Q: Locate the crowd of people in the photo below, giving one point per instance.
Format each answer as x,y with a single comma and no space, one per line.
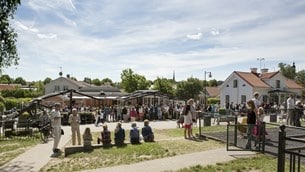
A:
186,115
256,114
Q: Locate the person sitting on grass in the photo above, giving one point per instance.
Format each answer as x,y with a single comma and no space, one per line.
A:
119,135
87,137
105,136
134,134
147,132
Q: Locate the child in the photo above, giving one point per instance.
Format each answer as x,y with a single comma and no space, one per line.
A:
134,134
147,133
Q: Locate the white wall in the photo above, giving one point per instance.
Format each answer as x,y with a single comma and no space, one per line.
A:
235,94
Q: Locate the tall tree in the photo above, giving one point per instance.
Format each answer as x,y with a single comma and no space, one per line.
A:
8,37
19,80
6,79
301,77
96,82
288,70
47,80
164,85
189,89
132,81
107,80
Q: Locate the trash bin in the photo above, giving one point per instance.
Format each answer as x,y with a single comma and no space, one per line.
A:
273,117
207,120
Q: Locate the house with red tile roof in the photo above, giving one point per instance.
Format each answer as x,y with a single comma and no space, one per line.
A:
273,87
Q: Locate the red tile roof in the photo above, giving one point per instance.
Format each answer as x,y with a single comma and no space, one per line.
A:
213,91
268,75
252,79
8,86
292,84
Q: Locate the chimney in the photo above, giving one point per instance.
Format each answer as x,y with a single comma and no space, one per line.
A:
253,70
265,70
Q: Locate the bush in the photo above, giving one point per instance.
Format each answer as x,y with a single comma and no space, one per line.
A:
13,102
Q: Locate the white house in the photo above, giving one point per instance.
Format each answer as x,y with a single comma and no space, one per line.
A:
272,86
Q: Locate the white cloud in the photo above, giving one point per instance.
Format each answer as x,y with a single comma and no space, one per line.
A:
196,36
46,36
100,39
215,32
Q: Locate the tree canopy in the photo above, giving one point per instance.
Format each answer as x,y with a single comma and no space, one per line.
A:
8,36
288,70
164,85
132,81
189,88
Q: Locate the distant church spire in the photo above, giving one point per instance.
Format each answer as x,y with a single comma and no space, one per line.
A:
174,78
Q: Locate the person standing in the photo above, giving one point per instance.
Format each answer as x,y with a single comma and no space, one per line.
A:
256,101
74,121
251,119
56,123
188,121
290,109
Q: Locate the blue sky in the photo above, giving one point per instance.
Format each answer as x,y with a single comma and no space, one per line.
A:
100,38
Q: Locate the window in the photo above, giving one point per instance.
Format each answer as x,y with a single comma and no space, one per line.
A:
66,87
227,101
235,83
278,84
56,88
243,99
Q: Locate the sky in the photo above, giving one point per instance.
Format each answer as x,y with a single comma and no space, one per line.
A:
101,38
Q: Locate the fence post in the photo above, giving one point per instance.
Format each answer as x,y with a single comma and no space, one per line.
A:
263,136
281,150
235,131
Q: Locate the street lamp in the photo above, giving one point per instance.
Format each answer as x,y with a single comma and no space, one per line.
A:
205,89
205,98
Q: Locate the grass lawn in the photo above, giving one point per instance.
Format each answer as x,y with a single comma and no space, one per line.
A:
259,163
9,149
169,142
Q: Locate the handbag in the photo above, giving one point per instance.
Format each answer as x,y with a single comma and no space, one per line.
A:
62,132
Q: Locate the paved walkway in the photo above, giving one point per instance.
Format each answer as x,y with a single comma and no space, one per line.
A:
38,156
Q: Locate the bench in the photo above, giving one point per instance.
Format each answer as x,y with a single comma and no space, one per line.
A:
81,148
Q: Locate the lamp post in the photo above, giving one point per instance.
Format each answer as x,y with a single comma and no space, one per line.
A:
205,98
205,89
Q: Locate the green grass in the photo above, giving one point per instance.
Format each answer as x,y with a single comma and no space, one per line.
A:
169,142
259,163
9,149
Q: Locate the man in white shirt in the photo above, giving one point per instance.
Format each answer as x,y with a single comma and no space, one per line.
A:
56,123
255,98
290,108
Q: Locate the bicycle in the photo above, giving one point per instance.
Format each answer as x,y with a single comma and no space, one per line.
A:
45,132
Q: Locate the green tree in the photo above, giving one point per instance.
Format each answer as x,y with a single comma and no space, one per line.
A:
189,89
87,80
107,80
287,70
6,79
164,85
213,83
301,77
47,80
96,82
19,80
8,36
132,81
